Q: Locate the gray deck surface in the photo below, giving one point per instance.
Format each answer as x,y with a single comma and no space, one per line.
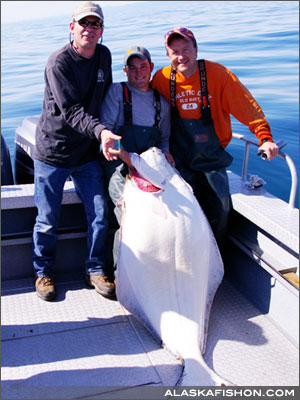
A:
82,345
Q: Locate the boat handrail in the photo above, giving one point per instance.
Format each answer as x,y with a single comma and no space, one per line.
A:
251,141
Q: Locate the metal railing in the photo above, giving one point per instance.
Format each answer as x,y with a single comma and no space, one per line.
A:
251,141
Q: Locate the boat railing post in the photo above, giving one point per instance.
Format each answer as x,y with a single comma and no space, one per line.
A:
246,160
294,178
284,156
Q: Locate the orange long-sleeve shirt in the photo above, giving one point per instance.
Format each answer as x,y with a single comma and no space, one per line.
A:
227,95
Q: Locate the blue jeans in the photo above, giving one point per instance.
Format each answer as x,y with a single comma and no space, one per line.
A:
89,184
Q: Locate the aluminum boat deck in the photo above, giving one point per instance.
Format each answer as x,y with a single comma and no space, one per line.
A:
83,345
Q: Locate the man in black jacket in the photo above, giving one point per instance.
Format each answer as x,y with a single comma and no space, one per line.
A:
67,144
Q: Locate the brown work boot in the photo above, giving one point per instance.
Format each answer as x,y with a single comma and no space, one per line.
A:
102,284
45,288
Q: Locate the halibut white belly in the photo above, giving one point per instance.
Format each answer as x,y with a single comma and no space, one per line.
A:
169,265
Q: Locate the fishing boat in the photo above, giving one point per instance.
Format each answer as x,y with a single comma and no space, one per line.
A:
85,346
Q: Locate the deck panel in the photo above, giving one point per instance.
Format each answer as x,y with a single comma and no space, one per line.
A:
85,345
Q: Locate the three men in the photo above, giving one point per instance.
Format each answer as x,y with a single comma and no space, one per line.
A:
202,94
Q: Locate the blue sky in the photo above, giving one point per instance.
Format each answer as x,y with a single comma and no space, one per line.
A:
24,10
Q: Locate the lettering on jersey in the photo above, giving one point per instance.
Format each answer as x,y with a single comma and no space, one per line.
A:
189,106
189,99
100,75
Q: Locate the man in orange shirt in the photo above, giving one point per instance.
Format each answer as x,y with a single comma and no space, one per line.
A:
203,94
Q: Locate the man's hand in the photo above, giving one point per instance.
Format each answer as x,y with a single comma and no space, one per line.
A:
169,158
107,141
123,155
270,149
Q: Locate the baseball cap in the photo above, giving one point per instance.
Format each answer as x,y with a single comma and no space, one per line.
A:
137,51
88,8
184,32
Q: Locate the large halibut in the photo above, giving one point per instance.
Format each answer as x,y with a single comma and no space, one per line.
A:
169,265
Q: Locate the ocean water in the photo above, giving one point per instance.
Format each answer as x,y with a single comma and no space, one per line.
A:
257,40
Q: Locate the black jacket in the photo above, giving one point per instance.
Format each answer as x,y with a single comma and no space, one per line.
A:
68,129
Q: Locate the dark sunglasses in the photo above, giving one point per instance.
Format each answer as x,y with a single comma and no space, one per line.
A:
94,24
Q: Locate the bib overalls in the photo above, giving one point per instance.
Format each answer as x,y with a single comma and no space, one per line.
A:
137,139
201,160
